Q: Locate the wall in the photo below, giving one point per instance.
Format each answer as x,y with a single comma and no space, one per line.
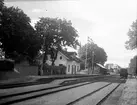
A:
73,63
69,70
65,62
8,75
96,70
25,69
21,70
61,61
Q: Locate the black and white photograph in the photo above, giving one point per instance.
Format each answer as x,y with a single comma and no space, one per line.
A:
68,52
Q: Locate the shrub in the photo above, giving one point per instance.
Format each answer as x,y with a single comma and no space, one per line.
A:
54,70
82,66
6,65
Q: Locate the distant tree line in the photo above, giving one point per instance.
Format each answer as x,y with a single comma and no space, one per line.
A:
92,51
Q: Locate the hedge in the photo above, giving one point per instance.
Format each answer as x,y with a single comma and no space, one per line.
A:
54,70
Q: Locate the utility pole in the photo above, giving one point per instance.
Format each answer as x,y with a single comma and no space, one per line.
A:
93,61
86,56
42,65
91,41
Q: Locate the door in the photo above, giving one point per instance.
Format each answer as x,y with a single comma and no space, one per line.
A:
74,69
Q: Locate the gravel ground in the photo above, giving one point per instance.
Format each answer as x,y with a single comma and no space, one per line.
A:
18,80
129,94
9,91
98,96
36,78
63,97
113,99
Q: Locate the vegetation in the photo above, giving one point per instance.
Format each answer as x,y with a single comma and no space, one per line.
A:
132,42
133,65
54,70
19,40
100,55
57,33
17,36
6,65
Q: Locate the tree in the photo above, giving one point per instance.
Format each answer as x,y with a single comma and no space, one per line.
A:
1,4
1,7
57,33
133,65
2,54
100,55
17,36
132,42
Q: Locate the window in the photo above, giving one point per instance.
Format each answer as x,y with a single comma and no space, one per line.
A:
60,57
60,64
72,69
68,68
77,68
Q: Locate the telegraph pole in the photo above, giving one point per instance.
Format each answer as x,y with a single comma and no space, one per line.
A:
93,61
42,65
91,41
86,57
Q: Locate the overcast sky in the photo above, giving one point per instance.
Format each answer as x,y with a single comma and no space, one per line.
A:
105,21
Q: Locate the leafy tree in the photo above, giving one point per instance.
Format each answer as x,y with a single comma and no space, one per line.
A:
1,7
17,36
58,33
100,55
133,65
132,42
2,54
1,4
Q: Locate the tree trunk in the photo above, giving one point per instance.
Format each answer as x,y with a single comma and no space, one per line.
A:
39,69
53,64
41,66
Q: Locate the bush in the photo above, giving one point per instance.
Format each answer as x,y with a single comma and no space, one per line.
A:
6,65
54,70
82,66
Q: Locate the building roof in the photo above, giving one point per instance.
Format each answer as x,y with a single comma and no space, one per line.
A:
100,65
71,56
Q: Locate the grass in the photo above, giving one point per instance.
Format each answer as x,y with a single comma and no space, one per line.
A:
18,80
129,95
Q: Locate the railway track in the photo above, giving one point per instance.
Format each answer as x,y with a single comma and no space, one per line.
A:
65,83
18,97
14,98
42,81
89,99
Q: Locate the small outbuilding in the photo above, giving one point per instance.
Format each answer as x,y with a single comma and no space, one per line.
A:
99,69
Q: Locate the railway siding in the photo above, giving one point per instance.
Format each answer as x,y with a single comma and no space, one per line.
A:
68,95
98,96
64,97
113,99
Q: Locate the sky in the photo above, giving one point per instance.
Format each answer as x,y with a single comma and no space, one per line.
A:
105,21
